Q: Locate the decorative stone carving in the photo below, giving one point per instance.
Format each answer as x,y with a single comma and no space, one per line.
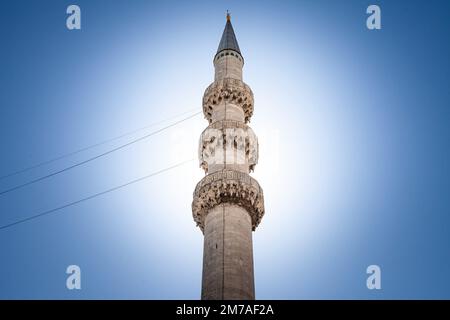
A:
231,90
228,186
230,142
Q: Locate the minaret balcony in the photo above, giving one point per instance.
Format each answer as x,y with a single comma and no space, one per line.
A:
231,91
228,186
228,144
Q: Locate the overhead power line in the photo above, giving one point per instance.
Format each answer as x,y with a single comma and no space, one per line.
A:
92,196
97,156
72,153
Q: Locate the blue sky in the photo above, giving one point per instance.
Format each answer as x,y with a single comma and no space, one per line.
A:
353,128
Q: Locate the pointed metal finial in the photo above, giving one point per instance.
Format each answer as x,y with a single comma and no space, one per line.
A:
228,16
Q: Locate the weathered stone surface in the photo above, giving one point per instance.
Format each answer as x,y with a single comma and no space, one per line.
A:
233,91
228,186
228,144
228,64
228,255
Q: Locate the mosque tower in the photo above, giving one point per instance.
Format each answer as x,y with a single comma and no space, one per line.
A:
228,203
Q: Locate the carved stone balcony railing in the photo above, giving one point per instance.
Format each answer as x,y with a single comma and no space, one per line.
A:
228,186
223,139
230,90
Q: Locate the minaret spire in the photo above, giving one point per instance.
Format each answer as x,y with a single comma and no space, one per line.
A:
228,41
228,203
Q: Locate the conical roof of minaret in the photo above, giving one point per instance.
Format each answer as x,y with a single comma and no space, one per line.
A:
228,41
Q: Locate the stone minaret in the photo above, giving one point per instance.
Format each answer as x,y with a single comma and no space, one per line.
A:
228,204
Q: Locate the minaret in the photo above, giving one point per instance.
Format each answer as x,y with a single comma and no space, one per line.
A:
228,204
